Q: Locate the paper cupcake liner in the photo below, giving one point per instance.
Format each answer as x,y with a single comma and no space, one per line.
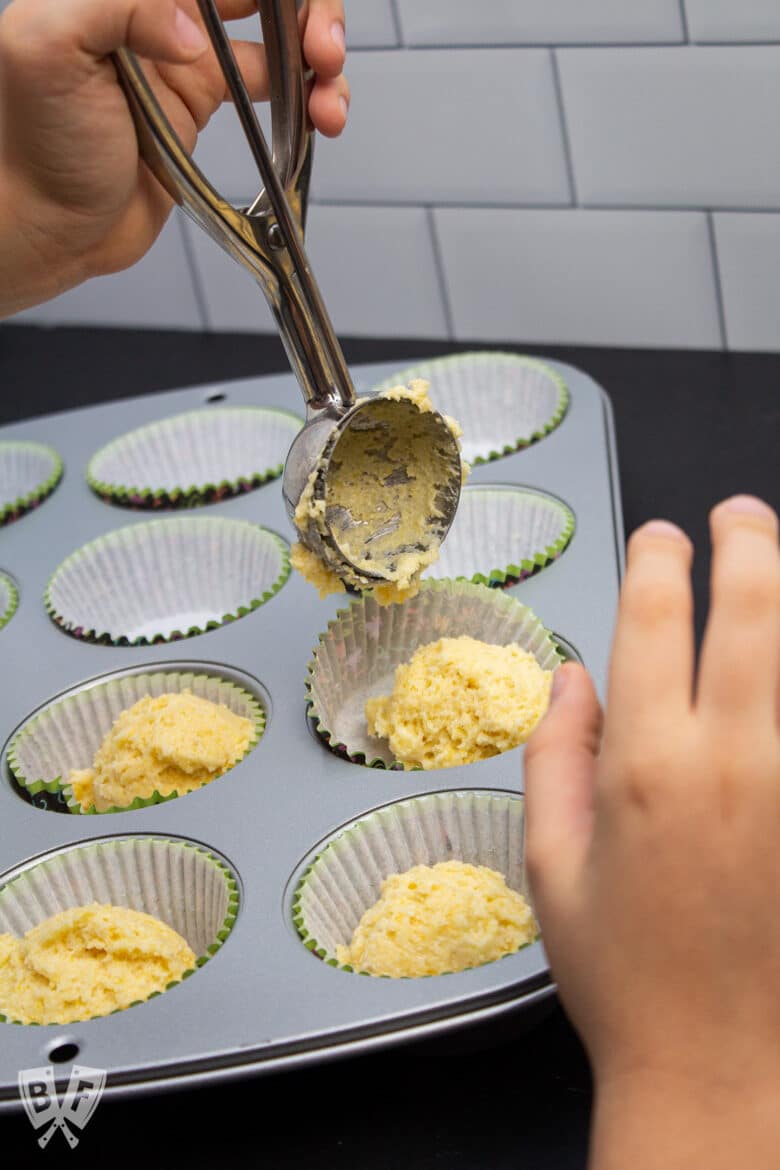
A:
502,401
9,599
357,655
345,878
29,472
66,734
178,882
502,535
195,458
163,580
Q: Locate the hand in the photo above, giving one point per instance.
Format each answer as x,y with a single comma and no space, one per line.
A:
75,200
655,862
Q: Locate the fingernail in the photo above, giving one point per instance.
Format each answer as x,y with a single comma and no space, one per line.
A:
337,34
188,34
664,528
559,680
344,105
748,505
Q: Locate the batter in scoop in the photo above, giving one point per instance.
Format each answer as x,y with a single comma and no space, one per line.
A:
383,501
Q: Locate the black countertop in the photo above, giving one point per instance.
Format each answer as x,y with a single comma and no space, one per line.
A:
692,427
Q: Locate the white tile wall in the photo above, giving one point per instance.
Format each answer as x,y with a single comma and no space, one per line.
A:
585,277
370,24
557,147
157,291
733,20
749,261
465,125
529,22
685,127
374,265
232,300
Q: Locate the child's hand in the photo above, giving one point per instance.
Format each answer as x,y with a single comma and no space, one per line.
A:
655,862
75,200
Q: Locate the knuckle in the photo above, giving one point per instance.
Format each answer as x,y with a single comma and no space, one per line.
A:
651,600
753,594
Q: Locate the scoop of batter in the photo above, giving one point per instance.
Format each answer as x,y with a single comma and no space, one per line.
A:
459,700
169,743
88,961
434,919
382,501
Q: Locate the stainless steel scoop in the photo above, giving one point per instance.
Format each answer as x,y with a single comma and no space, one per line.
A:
267,239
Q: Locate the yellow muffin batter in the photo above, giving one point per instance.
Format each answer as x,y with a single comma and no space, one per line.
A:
171,743
459,700
381,502
88,961
440,918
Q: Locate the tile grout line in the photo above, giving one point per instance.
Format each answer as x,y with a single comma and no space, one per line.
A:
684,22
198,288
716,273
397,26
438,260
564,127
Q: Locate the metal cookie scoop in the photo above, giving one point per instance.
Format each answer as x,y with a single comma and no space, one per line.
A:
267,239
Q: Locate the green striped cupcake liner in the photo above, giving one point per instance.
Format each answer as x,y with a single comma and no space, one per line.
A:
357,655
192,890
195,458
501,535
29,472
67,733
503,401
164,580
9,599
344,879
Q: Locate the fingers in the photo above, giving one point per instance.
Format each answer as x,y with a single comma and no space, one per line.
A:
738,673
651,671
324,45
560,768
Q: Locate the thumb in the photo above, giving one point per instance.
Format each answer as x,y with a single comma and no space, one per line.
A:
82,33
560,767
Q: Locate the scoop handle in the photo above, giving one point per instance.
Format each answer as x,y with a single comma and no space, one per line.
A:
266,238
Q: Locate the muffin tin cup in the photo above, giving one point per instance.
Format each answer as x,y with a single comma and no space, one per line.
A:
9,599
178,882
501,535
66,734
163,580
29,472
195,458
502,401
345,878
357,655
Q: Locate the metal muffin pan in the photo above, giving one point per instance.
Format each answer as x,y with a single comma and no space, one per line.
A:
264,1002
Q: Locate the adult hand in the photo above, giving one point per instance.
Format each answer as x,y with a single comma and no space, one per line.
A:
654,855
75,199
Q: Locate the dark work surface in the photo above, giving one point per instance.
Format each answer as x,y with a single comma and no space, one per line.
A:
692,427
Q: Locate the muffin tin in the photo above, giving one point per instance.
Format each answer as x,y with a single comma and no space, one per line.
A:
264,1001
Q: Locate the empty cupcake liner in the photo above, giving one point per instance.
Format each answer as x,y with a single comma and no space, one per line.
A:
195,458
345,878
163,580
502,401
28,473
501,535
66,734
9,599
357,655
182,884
